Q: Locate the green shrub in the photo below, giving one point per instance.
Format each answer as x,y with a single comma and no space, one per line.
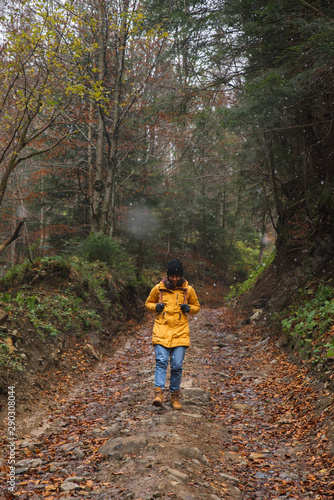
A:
102,248
99,247
240,288
310,324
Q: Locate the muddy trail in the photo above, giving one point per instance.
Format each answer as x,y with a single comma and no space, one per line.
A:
253,426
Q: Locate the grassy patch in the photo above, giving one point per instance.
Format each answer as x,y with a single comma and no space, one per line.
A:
311,325
241,288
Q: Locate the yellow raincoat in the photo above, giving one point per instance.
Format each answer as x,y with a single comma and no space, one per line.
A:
171,328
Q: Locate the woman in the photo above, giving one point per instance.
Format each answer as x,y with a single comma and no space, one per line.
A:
173,298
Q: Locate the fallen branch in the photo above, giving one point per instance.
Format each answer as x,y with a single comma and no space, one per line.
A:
14,236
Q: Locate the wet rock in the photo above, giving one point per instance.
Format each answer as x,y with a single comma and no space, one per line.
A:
261,475
192,453
90,351
235,493
193,415
235,457
256,456
68,447
79,453
69,486
176,473
229,338
229,479
75,479
29,463
129,444
113,430
31,445
247,376
195,396
21,470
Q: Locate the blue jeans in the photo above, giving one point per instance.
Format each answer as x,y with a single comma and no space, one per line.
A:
162,355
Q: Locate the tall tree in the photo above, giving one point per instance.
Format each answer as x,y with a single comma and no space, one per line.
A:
124,62
36,87
286,57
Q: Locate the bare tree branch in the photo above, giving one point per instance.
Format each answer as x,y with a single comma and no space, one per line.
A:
13,237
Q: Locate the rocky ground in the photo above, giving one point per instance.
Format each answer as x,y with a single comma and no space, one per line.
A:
253,426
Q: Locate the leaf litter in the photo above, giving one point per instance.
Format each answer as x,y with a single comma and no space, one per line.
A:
253,425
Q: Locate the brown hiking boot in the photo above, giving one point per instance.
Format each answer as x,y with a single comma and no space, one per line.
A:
174,400
158,397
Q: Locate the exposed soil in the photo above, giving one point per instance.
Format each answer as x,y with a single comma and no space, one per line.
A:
48,362
253,425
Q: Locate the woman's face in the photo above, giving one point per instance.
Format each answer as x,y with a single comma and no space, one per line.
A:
174,279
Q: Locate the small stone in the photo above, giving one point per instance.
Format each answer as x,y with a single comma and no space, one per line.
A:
32,446
177,474
190,452
256,456
90,351
21,470
97,431
229,338
193,415
79,453
129,444
75,479
29,463
69,486
230,479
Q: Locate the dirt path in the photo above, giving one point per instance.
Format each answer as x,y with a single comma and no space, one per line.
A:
252,427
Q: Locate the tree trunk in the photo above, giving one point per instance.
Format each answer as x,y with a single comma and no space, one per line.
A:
98,187
108,209
90,156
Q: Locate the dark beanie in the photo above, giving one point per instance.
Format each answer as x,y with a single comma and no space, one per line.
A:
174,268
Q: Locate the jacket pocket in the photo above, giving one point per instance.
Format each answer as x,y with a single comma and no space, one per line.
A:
161,319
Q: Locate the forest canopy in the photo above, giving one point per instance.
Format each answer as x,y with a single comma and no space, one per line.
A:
194,128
